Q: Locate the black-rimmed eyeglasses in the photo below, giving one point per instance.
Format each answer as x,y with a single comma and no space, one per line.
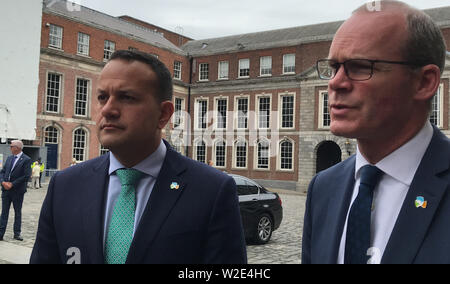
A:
355,69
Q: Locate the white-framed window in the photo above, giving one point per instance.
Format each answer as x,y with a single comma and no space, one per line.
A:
436,113
51,135
203,72
221,113
55,36
83,44
265,66
200,151
244,68
289,63
287,110
177,70
80,139
242,104
223,70
53,97
178,145
240,154
263,154
103,150
201,113
82,97
178,114
324,112
286,155
220,153
263,111
108,49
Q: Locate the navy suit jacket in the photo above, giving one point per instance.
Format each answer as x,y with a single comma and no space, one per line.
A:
198,223
19,176
419,235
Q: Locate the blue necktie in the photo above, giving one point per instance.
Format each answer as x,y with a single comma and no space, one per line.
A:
358,225
11,168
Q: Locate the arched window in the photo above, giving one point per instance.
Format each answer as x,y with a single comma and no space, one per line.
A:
240,150
177,145
220,153
200,151
286,155
51,135
262,154
79,144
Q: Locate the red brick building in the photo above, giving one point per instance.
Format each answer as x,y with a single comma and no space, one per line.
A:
251,104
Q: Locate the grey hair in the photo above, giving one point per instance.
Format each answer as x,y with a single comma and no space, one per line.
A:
425,43
17,143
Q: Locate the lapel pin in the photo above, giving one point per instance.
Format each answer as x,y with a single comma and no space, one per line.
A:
421,202
174,186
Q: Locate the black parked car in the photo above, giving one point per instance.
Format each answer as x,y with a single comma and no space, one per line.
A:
261,210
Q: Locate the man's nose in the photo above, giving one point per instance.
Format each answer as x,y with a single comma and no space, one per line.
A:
340,80
110,109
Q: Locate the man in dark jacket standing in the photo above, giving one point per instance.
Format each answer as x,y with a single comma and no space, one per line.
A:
14,177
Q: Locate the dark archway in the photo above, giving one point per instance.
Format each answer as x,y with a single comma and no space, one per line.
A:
328,154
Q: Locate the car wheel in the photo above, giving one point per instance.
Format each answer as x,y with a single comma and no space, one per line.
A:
264,229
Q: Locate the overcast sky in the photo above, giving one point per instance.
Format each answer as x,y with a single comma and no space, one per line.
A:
200,19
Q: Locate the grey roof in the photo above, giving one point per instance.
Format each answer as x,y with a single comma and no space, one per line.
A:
284,37
109,23
263,40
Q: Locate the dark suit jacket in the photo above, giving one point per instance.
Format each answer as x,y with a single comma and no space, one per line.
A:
19,176
198,223
419,235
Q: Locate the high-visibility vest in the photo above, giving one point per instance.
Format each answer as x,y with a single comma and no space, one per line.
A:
42,166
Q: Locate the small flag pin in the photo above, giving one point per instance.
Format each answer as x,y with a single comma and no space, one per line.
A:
174,186
421,202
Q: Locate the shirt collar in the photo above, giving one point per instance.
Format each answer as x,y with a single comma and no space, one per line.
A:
403,163
150,165
19,155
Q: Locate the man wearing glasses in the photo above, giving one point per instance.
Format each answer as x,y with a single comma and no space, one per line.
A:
390,202
14,177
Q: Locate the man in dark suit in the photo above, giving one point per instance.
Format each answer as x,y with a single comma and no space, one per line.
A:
390,202
14,177
143,202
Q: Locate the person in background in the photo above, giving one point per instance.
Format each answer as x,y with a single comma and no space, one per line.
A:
35,172
14,177
41,169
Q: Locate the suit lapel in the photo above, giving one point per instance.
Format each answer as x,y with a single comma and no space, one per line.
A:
18,163
413,223
161,201
338,208
96,182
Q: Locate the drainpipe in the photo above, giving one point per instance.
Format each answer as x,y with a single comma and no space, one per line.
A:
191,60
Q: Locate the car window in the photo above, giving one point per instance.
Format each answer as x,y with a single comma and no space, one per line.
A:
245,187
252,187
241,186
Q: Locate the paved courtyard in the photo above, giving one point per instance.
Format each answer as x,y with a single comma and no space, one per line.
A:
284,247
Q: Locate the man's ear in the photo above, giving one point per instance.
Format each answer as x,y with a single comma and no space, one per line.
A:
429,78
167,110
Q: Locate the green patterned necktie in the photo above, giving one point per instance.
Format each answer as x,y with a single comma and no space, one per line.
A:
121,226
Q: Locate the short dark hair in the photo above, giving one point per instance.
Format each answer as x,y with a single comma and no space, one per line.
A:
165,87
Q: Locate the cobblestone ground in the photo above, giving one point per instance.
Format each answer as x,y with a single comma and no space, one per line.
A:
283,248
285,245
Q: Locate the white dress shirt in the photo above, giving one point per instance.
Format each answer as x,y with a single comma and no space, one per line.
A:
14,164
399,169
151,167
